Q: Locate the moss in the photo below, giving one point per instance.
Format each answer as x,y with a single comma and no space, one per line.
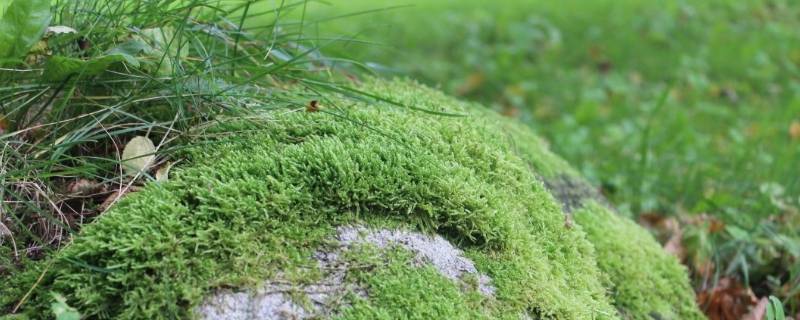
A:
257,197
644,281
400,290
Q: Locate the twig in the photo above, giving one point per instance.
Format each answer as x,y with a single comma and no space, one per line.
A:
27,294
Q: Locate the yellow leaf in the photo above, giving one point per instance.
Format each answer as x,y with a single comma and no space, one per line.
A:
138,155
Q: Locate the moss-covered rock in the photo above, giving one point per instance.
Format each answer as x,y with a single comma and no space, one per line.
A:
258,200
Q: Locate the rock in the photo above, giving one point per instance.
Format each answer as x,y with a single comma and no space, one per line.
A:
275,224
273,301
434,250
573,192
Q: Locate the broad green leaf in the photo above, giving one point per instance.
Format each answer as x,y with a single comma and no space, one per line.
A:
775,309
22,25
61,310
131,48
138,155
60,68
165,48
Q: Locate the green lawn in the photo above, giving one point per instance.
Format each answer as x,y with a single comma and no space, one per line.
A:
675,108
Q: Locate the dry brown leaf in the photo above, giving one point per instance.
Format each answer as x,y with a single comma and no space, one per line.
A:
651,219
794,130
84,187
715,225
474,81
110,200
668,229
116,196
729,300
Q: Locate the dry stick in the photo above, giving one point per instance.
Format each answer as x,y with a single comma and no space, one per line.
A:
4,230
27,294
116,148
58,234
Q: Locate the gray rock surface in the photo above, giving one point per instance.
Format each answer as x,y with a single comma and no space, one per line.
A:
274,299
433,250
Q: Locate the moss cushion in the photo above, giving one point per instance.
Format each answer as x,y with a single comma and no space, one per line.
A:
258,197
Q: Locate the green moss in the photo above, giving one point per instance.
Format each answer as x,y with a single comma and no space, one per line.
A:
257,197
644,281
399,290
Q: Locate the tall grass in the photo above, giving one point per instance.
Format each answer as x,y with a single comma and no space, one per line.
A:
153,68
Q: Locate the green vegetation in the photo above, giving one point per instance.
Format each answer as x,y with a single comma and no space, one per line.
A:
680,110
400,290
268,191
686,114
112,71
643,279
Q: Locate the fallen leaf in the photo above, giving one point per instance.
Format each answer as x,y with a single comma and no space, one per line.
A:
474,81
138,155
729,300
665,228
715,225
59,30
162,174
794,130
115,196
84,187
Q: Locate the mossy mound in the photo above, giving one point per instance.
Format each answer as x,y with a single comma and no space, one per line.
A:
258,198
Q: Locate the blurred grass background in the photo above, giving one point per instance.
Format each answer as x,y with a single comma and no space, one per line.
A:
686,114
683,112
